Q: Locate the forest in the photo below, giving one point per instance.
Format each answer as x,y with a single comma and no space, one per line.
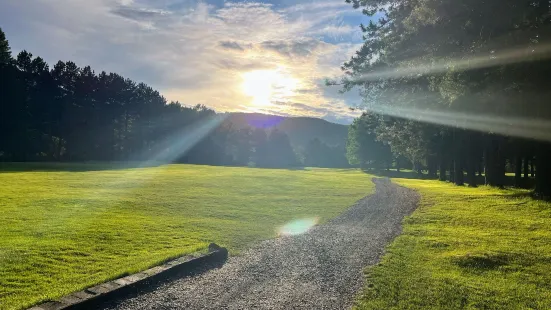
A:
458,88
73,114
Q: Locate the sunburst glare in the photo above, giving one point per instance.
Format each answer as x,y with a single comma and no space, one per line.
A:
267,86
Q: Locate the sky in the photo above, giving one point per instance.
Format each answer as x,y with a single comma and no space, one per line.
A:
268,57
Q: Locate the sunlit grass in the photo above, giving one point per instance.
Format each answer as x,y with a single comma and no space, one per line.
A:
466,248
63,231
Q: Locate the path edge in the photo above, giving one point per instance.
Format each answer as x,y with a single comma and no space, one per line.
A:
92,297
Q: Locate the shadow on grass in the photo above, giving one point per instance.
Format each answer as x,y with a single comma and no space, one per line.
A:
296,168
12,167
509,180
407,174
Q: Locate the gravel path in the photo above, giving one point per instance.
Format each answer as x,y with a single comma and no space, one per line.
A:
321,269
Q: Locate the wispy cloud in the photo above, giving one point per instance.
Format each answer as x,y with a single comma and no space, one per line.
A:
193,51
233,45
294,48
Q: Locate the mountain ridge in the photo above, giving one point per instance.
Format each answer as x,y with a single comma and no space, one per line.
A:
301,129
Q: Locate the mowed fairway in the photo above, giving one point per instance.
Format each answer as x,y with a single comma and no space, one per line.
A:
63,231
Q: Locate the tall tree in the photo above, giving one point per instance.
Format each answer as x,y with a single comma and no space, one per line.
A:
462,65
278,151
362,147
70,113
5,50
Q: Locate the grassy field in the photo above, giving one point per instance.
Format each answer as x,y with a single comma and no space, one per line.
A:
466,248
65,230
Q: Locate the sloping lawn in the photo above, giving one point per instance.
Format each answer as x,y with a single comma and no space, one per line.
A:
62,231
466,248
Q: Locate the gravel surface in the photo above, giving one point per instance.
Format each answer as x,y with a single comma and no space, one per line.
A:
321,269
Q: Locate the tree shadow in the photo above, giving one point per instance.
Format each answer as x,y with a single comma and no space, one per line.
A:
509,180
296,168
14,167
407,174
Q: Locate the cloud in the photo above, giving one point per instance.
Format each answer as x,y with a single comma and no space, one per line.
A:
342,32
317,6
294,48
337,112
233,45
137,14
193,51
240,65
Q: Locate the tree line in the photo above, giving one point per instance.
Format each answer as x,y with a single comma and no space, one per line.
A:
71,113
457,88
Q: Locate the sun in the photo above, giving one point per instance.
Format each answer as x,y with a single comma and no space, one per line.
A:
265,86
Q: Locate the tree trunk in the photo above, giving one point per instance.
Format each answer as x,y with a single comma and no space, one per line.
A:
442,167
417,167
59,146
526,167
458,158
471,169
125,143
518,171
480,167
471,159
442,158
113,143
432,167
494,162
532,170
452,170
543,177
398,164
458,171
487,176
471,173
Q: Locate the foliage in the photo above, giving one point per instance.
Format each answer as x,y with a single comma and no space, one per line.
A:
277,151
319,154
70,226
301,130
477,70
70,113
466,248
5,50
362,147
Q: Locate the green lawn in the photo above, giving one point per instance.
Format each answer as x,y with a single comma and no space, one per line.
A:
62,231
466,248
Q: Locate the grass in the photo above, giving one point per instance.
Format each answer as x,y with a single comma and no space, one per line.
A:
66,230
466,248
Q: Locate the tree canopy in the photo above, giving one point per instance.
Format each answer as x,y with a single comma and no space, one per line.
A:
72,113
466,80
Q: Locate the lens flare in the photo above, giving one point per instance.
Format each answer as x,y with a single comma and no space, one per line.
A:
521,127
518,126
297,227
170,149
484,60
181,142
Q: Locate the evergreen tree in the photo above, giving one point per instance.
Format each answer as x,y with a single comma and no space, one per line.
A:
466,66
5,50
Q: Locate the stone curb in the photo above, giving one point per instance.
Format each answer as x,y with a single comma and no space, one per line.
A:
91,297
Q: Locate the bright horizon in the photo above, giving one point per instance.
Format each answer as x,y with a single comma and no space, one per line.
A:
265,57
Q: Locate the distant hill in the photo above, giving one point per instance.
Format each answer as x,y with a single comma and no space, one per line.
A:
300,130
